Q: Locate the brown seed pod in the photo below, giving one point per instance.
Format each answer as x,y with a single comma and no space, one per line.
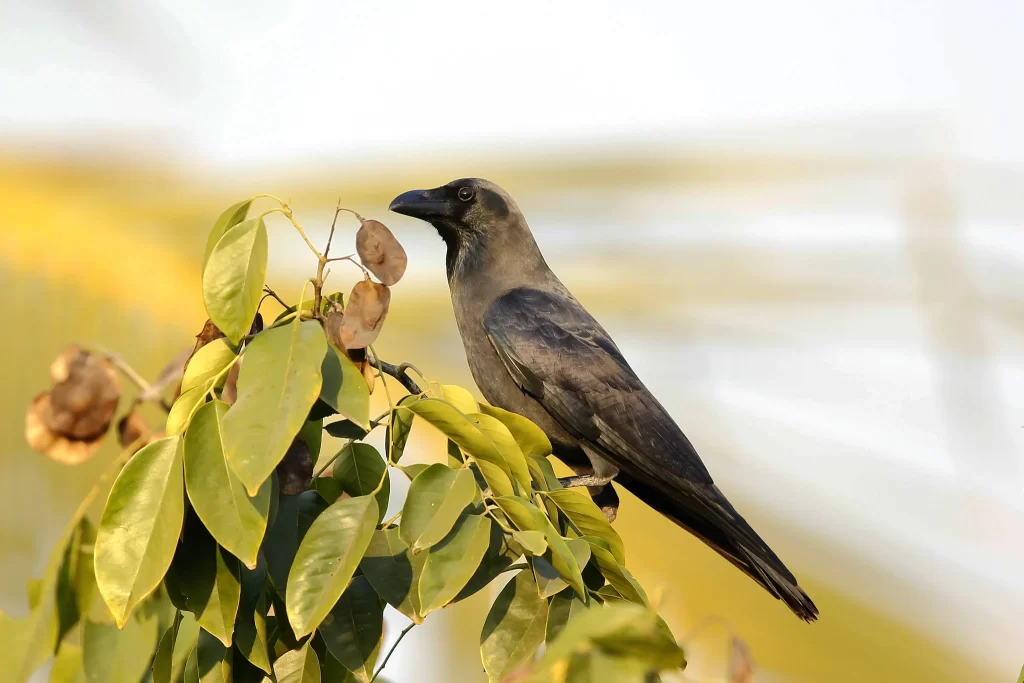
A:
56,446
380,252
295,471
133,430
85,395
367,307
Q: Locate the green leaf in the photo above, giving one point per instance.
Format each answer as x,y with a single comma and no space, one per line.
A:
460,429
496,561
333,671
163,662
394,572
76,582
326,560
437,496
344,388
619,629
182,409
531,439
68,666
277,385
528,517
549,581
329,488
396,435
345,429
298,666
208,362
532,541
139,528
233,278
451,563
588,518
499,434
514,628
617,575
294,516
235,519
563,608
353,629
594,666
413,470
209,580
210,661
112,655
251,624
232,216
359,468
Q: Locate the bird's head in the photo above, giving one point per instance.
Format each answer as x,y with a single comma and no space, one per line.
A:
463,211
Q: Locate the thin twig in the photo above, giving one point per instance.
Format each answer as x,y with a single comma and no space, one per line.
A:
330,235
514,567
392,651
128,371
270,292
351,259
334,457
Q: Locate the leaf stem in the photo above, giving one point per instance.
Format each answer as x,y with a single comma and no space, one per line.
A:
392,651
348,442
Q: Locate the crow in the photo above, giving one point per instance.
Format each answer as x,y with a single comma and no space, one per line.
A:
534,350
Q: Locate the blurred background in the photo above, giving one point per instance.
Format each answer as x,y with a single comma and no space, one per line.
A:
803,222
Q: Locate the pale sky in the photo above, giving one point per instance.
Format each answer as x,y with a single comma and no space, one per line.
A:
272,82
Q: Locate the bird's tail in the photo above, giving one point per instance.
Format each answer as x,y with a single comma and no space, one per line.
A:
735,540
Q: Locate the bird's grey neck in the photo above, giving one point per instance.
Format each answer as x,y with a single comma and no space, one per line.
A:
505,258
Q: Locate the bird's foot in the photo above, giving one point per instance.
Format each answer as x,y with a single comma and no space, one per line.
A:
583,480
606,499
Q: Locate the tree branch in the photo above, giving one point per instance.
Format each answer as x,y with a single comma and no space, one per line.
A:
392,651
399,372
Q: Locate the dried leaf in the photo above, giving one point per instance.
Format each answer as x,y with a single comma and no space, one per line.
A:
60,448
367,307
380,252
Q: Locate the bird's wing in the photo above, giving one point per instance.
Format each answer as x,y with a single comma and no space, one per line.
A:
555,350
558,354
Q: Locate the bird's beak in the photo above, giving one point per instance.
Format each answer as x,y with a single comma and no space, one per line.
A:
422,204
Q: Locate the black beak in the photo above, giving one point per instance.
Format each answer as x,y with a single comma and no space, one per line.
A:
422,204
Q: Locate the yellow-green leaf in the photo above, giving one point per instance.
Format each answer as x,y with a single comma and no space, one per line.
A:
451,563
112,655
182,409
617,575
532,541
436,498
531,439
549,581
344,388
460,398
278,384
210,661
499,434
233,278
528,517
210,582
298,666
139,528
326,560
232,216
456,426
209,361
250,624
235,519
562,609
589,519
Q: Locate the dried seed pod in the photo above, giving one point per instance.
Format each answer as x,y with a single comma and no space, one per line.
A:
367,307
229,394
56,446
380,252
295,470
83,400
133,430
741,665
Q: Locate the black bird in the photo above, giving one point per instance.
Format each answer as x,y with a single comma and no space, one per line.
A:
534,350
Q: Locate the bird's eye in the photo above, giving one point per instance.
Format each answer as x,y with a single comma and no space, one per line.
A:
465,193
